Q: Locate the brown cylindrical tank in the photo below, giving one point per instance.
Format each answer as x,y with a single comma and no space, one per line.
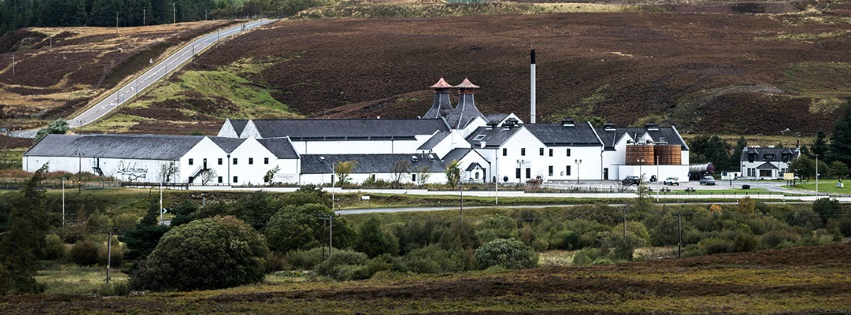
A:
640,155
669,154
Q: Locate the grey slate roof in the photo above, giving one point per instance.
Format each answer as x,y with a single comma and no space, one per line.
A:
464,113
457,154
348,129
440,107
238,125
434,140
580,134
143,147
766,166
495,117
668,134
228,144
282,148
759,154
367,163
494,137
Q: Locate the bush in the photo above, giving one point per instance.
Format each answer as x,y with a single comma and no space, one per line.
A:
374,240
588,256
827,208
84,253
508,253
54,248
744,242
276,262
714,245
776,239
306,259
344,265
433,259
117,253
211,253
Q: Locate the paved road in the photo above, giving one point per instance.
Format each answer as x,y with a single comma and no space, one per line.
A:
154,74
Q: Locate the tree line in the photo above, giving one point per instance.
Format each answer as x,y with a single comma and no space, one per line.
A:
834,152
16,14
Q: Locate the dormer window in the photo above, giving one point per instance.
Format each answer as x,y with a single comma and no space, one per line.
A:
768,157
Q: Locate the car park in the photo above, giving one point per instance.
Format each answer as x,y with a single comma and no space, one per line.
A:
671,181
707,180
631,180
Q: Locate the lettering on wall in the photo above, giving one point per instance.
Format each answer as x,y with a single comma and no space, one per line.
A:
131,170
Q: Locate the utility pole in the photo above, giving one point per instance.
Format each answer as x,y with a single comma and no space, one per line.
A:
63,201
816,176
679,234
80,174
461,194
108,254
173,13
144,17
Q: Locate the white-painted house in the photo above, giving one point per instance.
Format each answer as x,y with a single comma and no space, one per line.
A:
767,163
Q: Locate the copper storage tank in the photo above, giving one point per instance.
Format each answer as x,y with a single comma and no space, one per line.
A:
669,154
640,154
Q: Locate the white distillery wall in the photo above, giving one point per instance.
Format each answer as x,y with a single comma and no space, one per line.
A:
476,175
612,159
249,163
325,179
587,169
515,158
204,149
122,169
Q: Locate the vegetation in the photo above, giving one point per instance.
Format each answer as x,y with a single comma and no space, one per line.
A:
211,253
22,238
58,126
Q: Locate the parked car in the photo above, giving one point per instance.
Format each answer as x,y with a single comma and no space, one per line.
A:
707,180
671,181
631,180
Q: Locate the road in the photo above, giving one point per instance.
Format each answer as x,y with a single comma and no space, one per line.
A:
151,76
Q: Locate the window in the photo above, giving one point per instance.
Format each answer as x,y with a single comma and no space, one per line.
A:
235,179
567,171
413,177
234,161
190,161
250,161
220,161
568,152
528,172
551,170
517,173
522,151
551,152
541,151
504,152
768,157
220,178
265,160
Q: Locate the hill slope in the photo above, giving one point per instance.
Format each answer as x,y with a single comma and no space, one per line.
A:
705,73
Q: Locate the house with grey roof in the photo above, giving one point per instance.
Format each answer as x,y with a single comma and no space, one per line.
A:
767,163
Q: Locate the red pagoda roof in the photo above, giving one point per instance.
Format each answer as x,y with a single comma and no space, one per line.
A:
441,84
467,85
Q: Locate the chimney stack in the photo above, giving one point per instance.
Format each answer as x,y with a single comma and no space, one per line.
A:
532,114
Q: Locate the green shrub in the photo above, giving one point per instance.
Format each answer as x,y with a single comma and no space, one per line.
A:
434,259
306,259
587,256
508,253
344,265
210,253
841,224
117,253
744,242
84,253
374,240
54,248
827,208
776,239
714,245
276,262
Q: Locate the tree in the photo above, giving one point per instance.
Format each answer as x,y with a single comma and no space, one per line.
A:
207,176
453,174
142,240
803,167
741,144
167,170
343,169
746,206
58,126
820,145
270,175
212,253
838,169
423,174
374,241
301,227
24,240
399,168
827,208
840,140
507,253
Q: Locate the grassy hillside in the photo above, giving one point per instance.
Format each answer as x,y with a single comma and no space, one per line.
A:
753,74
